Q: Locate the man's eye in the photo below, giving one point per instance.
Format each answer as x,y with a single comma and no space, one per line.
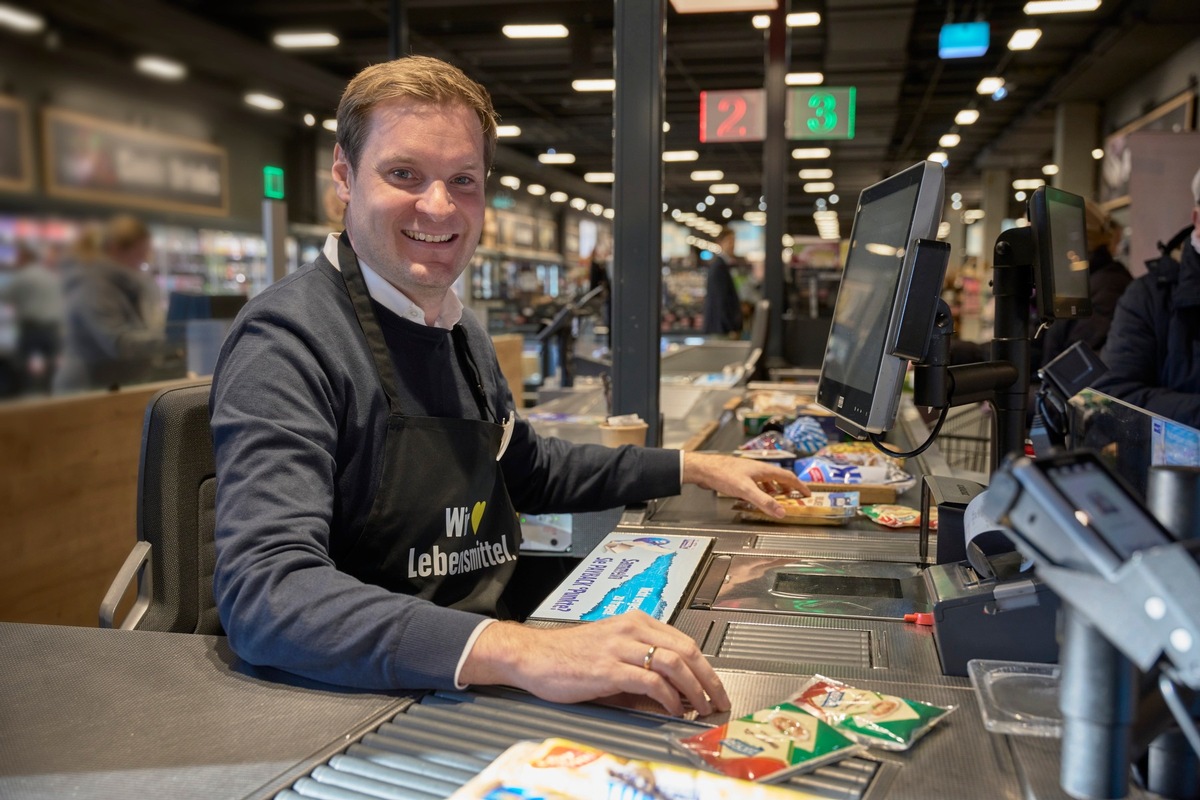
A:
402,174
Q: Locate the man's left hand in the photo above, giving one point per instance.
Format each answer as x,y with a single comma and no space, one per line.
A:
741,477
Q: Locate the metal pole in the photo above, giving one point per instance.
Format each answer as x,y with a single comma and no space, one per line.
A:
638,66
397,29
775,175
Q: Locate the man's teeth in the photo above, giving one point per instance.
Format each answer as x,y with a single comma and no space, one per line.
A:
428,237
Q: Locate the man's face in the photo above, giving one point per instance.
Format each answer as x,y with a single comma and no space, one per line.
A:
414,203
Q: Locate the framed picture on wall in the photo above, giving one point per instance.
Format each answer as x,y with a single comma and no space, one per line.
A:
1176,115
16,160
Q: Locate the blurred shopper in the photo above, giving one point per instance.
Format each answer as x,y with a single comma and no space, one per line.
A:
369,463
35,294
1107,280
114,330
1153,349
722,306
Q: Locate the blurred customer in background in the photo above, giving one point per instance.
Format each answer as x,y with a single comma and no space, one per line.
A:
1153,349
114,327
1107,279
35,294
722,306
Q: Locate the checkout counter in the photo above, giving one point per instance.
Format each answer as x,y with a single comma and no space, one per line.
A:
102,713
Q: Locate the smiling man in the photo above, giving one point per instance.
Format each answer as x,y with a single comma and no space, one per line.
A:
369,460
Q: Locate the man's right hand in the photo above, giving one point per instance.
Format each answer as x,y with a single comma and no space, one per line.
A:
598,659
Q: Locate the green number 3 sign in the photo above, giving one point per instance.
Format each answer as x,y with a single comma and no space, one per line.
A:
824,114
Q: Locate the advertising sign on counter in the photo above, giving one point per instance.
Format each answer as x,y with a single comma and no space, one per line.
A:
627,572
95,160
16,172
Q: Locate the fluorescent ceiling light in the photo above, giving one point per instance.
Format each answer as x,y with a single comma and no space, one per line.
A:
816,174
594,84
708,175
558,197
1098,153
160,67
973,215
556,158
968,116
804,19
20,20
599,177
804,79
680,155
329,125
755,217
1028,183
801,153
578,203
511,181
609,213
508,130
990,85
536,189
949,140
666,126
264,101
298,39
595,208
719,6
310,120
1050,169
724,188
1024,39
939,157
552,31
1060,6
819,187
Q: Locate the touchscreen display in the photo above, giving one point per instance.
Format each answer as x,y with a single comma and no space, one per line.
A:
868,290
1106,508
1068,242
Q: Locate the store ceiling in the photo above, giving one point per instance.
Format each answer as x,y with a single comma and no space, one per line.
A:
907,96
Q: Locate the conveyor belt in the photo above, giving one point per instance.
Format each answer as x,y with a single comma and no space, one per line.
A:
439,743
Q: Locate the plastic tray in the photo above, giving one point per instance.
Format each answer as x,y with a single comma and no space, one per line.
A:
1017,697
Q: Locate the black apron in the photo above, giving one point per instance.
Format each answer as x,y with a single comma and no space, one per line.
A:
442,526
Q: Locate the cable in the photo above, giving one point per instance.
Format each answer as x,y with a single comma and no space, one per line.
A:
875,440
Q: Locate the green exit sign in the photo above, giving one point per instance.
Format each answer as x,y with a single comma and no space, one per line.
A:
273,183
821,112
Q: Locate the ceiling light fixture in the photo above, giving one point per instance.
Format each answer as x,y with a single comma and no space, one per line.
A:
1028,183
804,79
264,101
968,116
508,131
1050,169
310,120
939,157
724,188
511,181
20,20
159,67
556,158
680,155
550,31
599,177
949,140
816,174
558,197
536,189
594,84
819,187
292,40
708,175
803,19
1098,153
1060,6
802,153
1024,38
330,125
990,85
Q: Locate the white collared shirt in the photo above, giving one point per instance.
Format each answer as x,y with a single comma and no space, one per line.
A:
392,298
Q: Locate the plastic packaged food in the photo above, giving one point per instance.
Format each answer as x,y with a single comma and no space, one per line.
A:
870,718
806,435
768,745
771,440
861,453
894,516
822,508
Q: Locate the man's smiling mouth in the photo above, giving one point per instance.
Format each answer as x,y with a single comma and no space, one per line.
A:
429,237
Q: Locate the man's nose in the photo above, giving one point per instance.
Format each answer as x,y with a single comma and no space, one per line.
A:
436,201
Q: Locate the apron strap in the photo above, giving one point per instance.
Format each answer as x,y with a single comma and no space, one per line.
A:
471,372
360,297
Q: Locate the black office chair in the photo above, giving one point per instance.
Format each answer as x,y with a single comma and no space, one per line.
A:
175,554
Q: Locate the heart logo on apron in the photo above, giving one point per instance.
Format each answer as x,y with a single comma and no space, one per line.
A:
476,515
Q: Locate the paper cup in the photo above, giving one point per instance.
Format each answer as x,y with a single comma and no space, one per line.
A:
617,435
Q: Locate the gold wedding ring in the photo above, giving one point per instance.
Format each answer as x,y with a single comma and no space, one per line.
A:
648,661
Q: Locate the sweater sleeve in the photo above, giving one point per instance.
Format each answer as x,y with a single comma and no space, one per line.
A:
1133,356
277,404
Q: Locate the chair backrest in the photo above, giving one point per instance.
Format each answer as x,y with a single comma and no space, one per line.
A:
176,501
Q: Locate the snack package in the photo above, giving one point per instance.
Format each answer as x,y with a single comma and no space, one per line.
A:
870,718
822,508
771,440
894,516
826,470
559,769
768,745
863,454
806,435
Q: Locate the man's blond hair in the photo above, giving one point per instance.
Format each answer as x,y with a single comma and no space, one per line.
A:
415,77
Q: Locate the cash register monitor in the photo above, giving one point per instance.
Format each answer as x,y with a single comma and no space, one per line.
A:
861,377
1060,247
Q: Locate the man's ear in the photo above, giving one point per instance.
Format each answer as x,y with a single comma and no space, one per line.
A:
343,174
